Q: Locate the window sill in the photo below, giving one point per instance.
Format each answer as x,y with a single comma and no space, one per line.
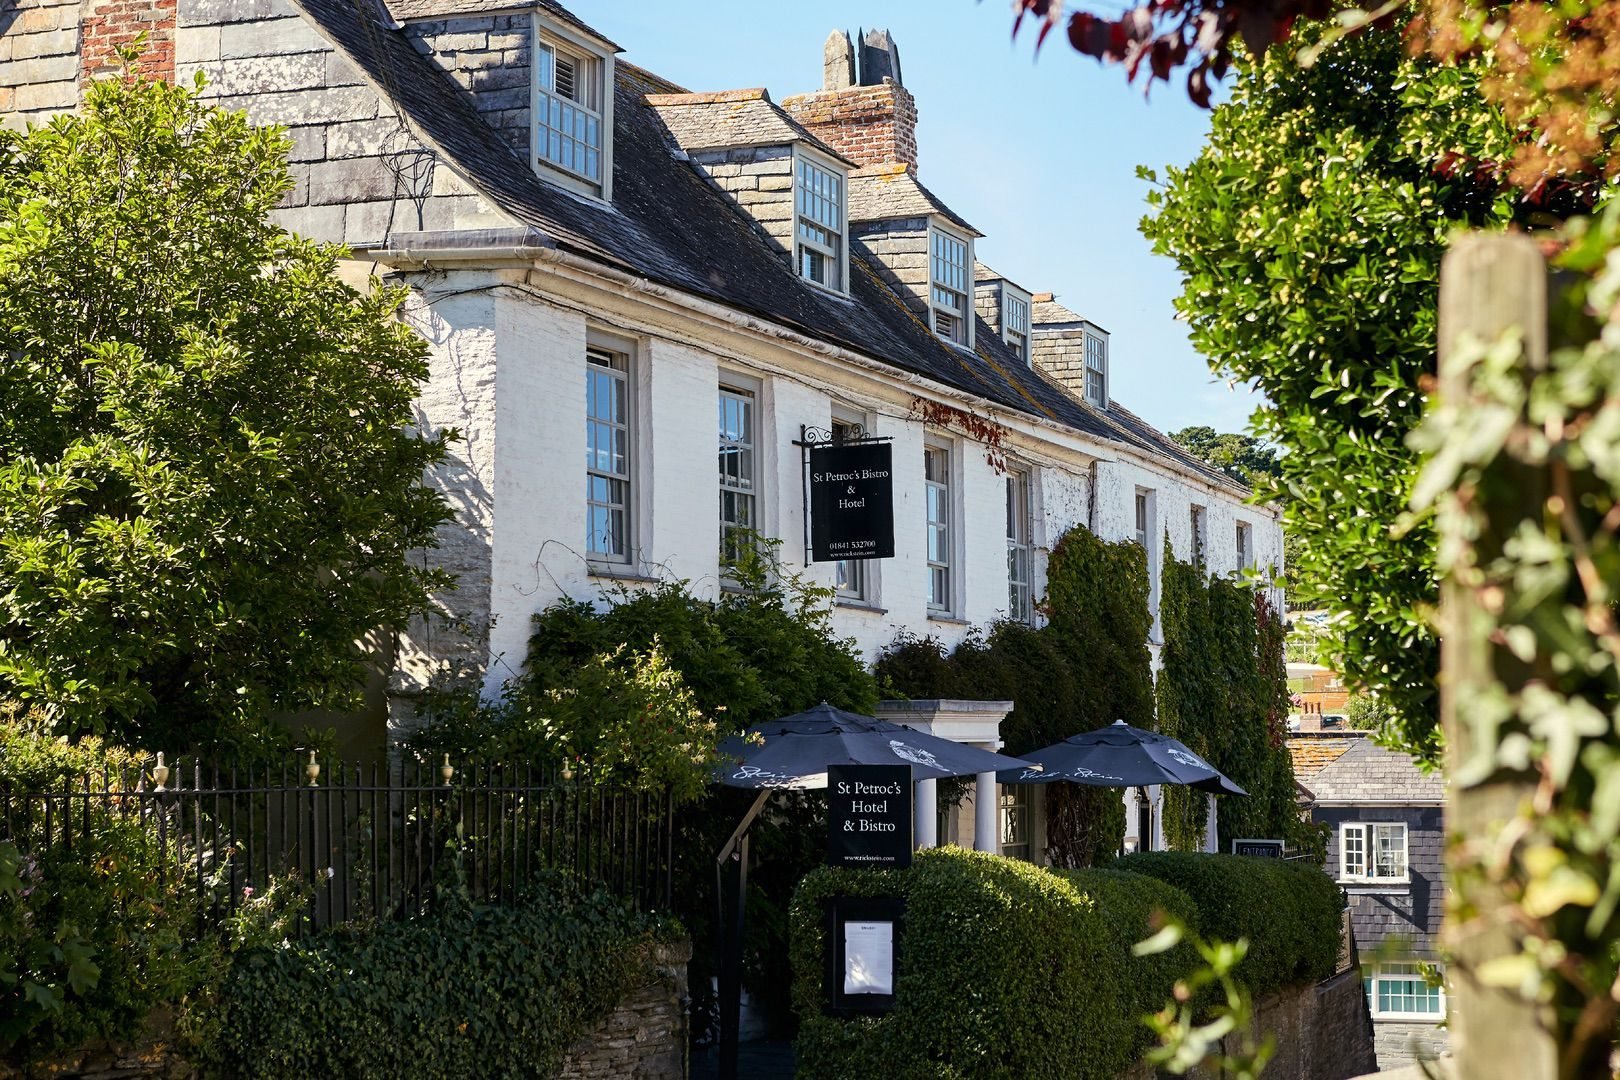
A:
828,290
1369,888
947,618
621,573
1403,1018
859,605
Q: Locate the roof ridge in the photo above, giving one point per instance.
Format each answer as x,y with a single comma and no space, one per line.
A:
707,97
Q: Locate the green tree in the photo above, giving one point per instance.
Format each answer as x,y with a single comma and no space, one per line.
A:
1242,457
207,480
1309,234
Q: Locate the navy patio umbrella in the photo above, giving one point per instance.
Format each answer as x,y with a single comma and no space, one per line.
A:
794,752
1121,756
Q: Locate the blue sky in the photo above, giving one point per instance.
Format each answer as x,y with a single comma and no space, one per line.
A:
1039,155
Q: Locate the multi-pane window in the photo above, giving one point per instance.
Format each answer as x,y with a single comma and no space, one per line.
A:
1015,323
738,471
568,121
1096,370
1020,606
937,478
1142,523
1400,990
1200,537
607,455
948,286
1372,852
1144,535
819,203
1013,810
849,575
1245,546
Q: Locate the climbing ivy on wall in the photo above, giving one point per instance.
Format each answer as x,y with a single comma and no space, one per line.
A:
1087,667
1223,691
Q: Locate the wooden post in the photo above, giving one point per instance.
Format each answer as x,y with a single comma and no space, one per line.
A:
1488,284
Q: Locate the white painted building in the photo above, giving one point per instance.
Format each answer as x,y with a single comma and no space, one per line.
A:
618,279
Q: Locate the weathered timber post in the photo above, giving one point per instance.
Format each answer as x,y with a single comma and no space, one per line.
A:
1489,284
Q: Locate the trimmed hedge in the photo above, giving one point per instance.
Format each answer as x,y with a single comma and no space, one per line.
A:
483,991
1289,911
1130,903
1007,971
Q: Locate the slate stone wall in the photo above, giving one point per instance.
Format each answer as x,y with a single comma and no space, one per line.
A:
488,56
39,60
645,1036
1405,914
760,179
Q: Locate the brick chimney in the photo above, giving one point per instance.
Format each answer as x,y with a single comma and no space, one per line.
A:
862,109
107,25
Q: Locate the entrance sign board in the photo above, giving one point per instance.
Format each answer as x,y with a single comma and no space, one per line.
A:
1261,849
869,810
862,953
851,501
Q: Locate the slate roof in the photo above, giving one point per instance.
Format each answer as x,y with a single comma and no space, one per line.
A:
670,225
1368,773
1312,751
731,118
888,191
405,10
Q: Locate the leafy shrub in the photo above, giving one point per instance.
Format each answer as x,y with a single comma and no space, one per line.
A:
1006,971
90,940
481,991
1288,911
1134,906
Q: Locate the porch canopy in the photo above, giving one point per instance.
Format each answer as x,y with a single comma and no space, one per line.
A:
1121,756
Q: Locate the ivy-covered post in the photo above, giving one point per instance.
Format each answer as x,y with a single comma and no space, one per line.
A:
1489,285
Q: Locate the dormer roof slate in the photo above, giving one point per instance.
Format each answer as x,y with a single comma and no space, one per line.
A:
731,118
889,191
406,10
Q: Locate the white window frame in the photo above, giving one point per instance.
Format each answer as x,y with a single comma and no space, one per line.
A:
1015,799
951,564
967,313
1010,334
1096,369
1243,539
1402,972
1020,545
840,254
549,35
1364,870
753,389
860,574
1145,510
607,561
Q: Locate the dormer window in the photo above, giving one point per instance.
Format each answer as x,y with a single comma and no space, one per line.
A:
949,259
1097,371
821,231
1015,320
573,111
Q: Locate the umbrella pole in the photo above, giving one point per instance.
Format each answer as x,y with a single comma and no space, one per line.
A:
731,937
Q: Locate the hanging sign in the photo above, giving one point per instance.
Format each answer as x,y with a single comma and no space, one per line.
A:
869,816
1260,849
851,501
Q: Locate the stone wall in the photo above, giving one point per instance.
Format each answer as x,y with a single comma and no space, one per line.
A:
1403,1042
488,56
39,60
869,125
760,179
1322,1032
645,1036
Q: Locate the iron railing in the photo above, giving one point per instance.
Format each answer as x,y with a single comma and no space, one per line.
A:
379,841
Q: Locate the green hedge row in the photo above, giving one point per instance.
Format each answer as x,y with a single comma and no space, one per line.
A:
483,991
1008,970
1289,911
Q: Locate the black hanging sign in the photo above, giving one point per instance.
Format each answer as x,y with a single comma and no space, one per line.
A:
851,501
869,816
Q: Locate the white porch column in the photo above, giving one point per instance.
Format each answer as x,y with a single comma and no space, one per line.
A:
925,808
1212,838
984,813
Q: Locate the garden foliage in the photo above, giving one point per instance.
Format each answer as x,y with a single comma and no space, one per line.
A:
1087,667
468,991
1223,691
1008,970
208,478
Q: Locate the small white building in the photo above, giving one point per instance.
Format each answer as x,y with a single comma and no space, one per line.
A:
620,279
